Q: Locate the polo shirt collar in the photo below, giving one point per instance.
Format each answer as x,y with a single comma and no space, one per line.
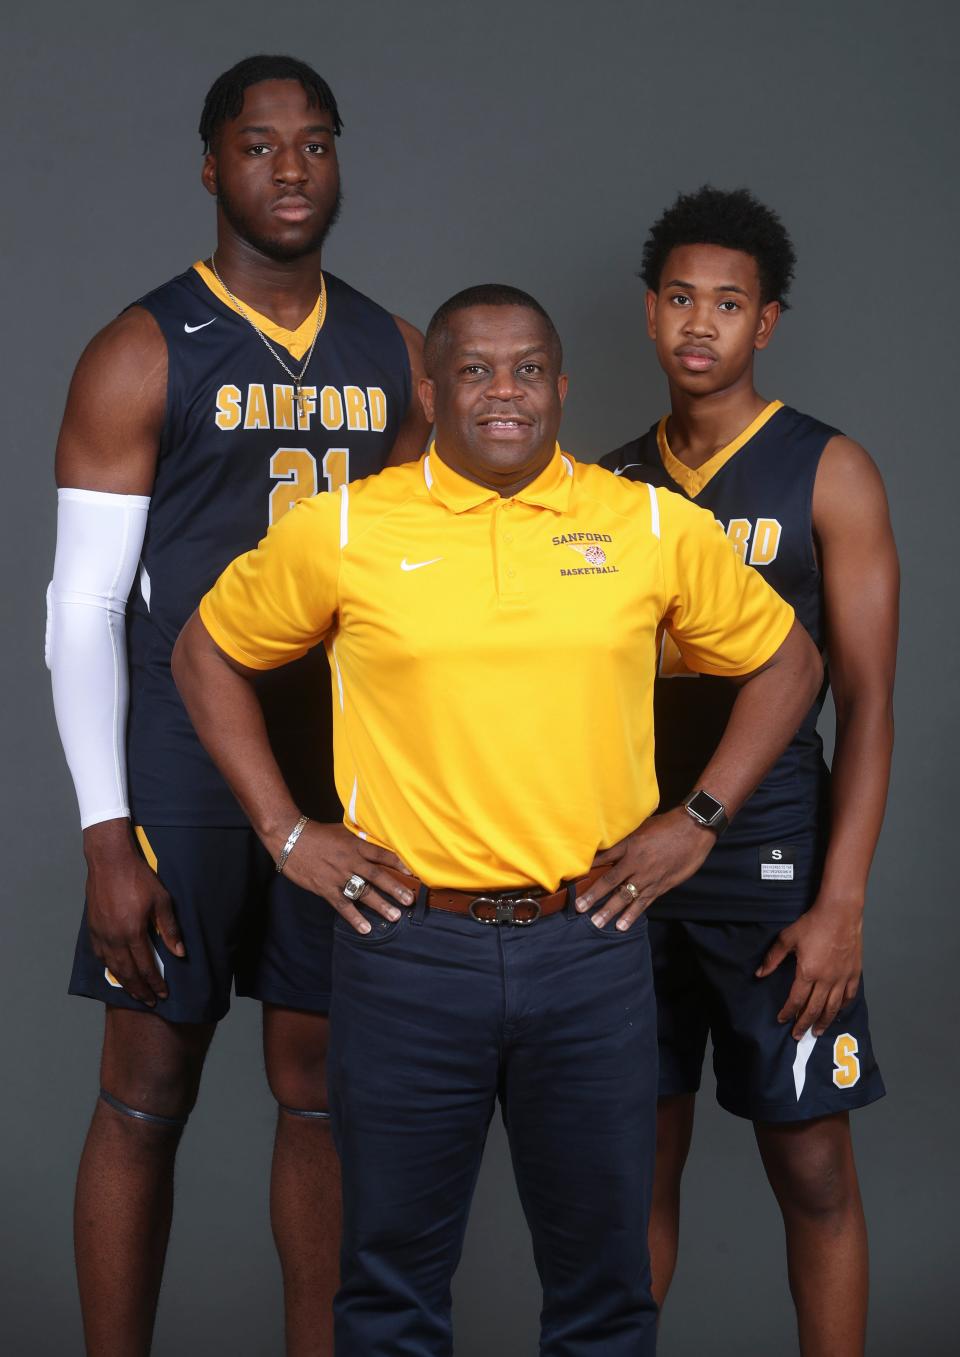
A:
550,490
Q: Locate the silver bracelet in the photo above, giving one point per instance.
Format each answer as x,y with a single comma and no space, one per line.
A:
290,844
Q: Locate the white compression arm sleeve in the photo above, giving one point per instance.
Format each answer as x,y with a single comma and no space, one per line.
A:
99,539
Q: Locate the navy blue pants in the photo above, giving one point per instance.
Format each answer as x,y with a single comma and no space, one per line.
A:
433,1019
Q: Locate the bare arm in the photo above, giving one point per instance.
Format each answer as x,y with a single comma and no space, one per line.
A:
111,428
225,711
108,442
667,849
861,588
415,429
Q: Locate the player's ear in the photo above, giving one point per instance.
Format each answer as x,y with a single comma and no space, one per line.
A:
428,391
651,302
562,385
208,174
769,315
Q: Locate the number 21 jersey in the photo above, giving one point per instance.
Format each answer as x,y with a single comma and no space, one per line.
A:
237,450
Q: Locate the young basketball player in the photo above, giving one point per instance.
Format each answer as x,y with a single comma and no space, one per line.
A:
761,949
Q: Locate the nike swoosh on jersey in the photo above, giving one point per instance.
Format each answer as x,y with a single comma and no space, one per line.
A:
190,328
418,565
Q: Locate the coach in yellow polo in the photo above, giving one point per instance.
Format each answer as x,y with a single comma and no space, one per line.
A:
492,616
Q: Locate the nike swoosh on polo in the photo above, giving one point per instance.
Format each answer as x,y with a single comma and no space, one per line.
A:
418,565
190,328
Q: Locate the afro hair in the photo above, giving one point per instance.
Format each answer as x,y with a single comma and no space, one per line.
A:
733,218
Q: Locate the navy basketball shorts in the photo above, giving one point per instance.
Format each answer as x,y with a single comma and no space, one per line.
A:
243,926
705,985
435,1019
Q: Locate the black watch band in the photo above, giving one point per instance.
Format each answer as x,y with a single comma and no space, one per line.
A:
707,811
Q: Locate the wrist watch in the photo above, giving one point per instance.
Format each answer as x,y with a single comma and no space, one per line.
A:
707,811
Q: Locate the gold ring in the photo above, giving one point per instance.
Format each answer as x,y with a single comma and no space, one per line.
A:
630,890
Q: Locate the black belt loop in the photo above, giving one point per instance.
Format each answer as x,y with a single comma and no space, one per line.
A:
570,908
419,911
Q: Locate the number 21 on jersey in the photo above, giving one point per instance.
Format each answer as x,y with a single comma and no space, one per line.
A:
295,471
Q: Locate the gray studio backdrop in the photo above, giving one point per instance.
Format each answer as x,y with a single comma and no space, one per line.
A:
530,144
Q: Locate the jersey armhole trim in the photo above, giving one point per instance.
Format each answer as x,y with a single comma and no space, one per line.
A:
173,372
411,395
815,564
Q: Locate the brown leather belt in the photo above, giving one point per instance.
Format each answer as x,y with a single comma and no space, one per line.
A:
516,906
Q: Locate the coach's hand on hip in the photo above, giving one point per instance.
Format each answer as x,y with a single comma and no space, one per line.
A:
328,857
664,851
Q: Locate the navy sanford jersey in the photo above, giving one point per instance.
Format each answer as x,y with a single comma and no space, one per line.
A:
235,454
760,487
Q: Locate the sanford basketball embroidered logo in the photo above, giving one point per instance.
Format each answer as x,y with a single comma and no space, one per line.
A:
587,545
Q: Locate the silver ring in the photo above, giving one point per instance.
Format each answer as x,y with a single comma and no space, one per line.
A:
354,887
630,890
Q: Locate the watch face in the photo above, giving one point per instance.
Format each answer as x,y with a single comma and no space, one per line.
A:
705,806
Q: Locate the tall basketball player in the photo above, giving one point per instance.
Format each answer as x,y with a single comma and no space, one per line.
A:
762,947
195,420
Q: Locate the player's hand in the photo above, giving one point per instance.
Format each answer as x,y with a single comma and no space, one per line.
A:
827,942
326,856
664,851
124,899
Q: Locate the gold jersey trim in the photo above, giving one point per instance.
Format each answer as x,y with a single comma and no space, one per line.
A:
693,479
146,847
296,342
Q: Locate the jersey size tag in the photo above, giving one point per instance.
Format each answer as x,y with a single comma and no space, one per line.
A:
776,862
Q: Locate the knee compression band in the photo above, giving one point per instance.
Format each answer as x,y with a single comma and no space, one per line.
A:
177,1122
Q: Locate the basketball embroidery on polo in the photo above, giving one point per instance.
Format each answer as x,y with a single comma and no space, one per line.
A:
593,553
592,547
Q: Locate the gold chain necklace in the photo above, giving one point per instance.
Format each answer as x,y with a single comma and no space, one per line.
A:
298,395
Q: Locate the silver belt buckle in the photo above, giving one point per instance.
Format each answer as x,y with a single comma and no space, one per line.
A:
504,909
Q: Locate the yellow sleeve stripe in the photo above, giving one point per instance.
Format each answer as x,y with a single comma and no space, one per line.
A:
771,644
230,647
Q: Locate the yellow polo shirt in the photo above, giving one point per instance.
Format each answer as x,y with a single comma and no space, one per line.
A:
493,659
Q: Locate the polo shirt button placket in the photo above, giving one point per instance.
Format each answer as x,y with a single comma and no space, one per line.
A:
510,570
